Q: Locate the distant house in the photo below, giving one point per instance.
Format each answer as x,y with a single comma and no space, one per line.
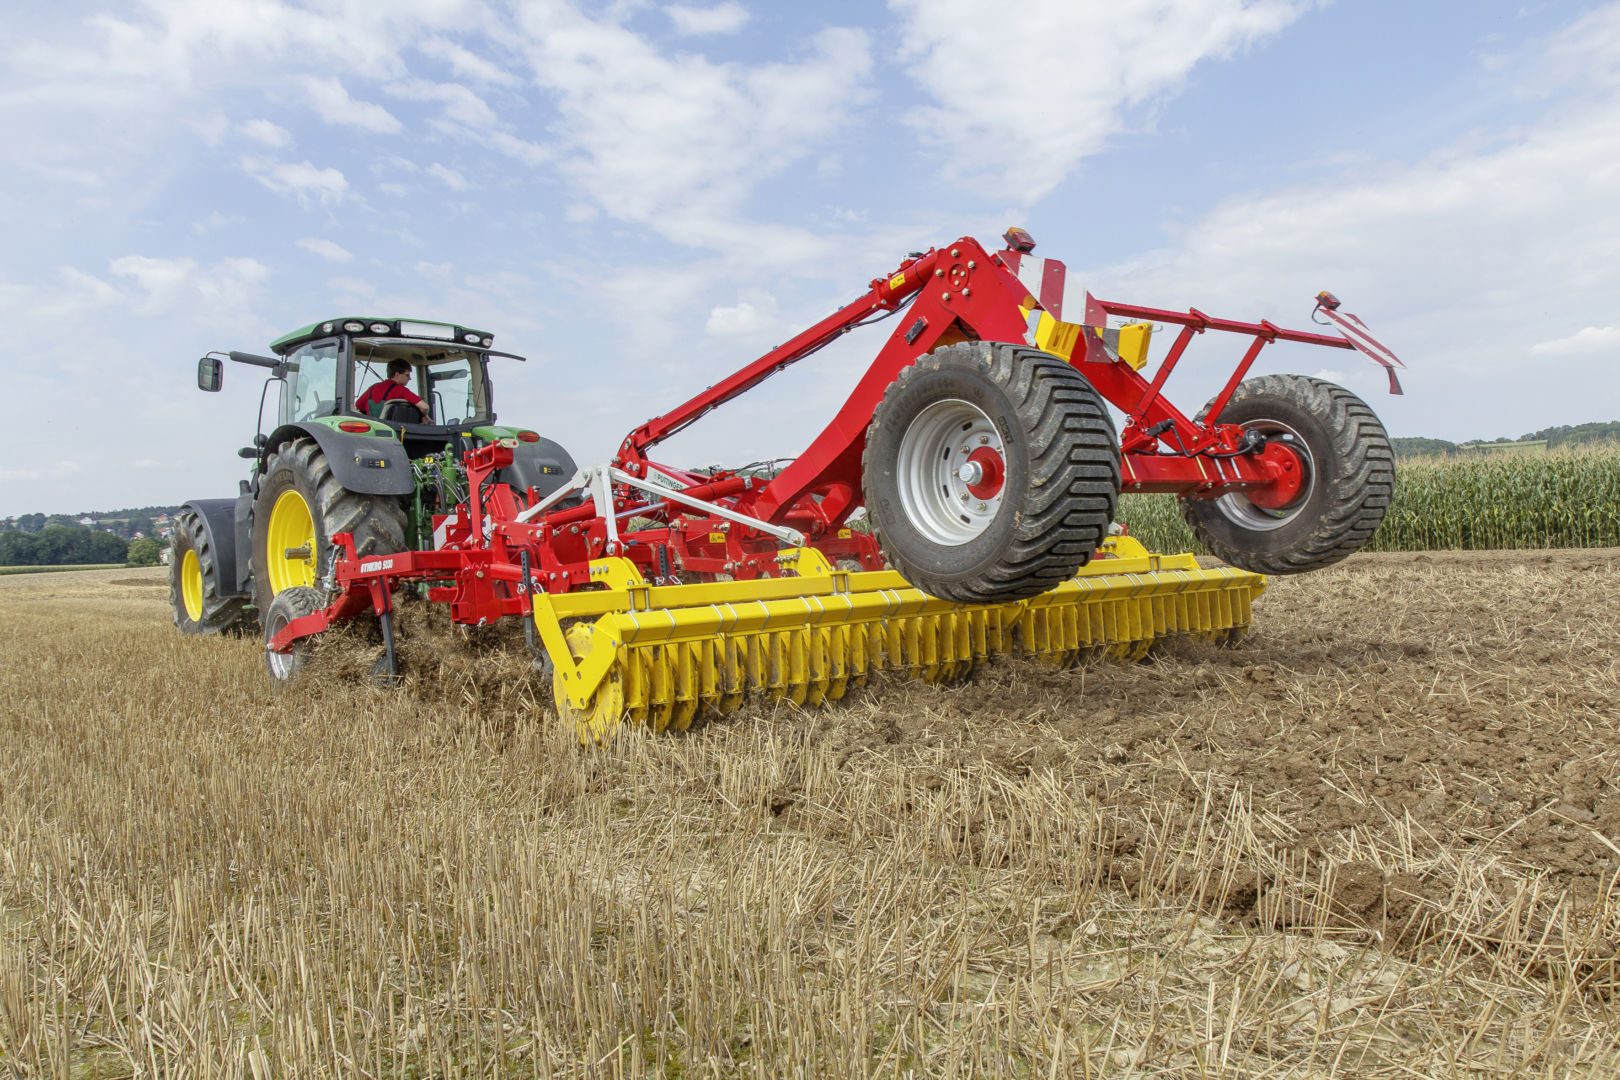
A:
87,520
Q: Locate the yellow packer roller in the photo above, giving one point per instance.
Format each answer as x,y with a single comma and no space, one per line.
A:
664,655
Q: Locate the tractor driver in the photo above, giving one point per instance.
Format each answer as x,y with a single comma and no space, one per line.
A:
393,388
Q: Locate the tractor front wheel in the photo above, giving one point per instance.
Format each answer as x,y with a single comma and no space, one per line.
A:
1345,470
991,472
195,597
299,508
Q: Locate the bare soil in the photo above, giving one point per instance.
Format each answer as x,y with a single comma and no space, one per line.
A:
1397,713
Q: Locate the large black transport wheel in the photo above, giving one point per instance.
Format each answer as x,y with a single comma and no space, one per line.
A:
288,605
991,472
299,508
199,605
1347,472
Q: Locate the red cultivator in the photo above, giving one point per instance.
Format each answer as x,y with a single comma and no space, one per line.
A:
979,443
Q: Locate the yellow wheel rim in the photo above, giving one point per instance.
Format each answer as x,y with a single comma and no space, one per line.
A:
191,589
289,545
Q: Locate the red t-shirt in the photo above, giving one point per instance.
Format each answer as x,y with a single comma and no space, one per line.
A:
387,390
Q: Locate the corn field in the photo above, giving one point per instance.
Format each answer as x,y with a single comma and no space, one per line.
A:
1551,500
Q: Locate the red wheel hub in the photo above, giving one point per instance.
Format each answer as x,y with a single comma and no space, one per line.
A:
1287,471
984,473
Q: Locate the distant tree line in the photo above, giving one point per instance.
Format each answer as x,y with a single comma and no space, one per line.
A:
1567,435
1562,437
61,545
126,523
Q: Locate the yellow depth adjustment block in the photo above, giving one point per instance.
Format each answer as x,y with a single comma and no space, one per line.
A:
1128,343
1132,343
660,654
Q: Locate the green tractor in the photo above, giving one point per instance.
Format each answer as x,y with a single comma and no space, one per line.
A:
373,418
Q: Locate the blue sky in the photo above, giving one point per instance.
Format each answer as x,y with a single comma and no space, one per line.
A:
641,197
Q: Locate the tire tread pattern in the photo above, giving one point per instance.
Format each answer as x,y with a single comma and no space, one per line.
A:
377,522
290,604
1074,472
1363,481
220,614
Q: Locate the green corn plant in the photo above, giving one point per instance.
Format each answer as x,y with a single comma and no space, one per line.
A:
1484,502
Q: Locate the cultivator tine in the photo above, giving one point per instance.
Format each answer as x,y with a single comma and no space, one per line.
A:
664,655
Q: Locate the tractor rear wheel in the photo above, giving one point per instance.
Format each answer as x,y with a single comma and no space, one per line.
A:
1347,478
299,508
194,586
991,472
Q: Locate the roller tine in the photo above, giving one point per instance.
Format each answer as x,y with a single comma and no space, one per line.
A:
661,703
838,657
732,657
687,658
798,675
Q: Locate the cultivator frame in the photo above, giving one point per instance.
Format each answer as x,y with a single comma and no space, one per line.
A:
663,591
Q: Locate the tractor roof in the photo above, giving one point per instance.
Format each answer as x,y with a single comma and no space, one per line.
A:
383,326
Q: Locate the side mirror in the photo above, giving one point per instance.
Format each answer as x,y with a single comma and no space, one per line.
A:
210,374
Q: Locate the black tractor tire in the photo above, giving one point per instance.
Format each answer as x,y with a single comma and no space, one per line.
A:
377,522
289,604
1059,472
216,612
1350,479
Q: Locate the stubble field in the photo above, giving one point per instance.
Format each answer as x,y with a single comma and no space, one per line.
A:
1378,838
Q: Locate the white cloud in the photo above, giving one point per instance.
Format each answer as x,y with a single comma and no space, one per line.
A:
459,105
677,142
1593,339
466,63
334,105
351,289
303,180
1582,54
326,249
448,177
463,114
725,18
270,134
163,285
214,220
739,320
1019,98
211,126
1462,263
528,153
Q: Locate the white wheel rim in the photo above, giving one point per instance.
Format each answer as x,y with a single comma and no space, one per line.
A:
948,458
282,664
1241,511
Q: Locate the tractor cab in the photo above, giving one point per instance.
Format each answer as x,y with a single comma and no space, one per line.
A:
343,367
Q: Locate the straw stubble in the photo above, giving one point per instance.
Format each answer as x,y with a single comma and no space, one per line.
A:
1375,839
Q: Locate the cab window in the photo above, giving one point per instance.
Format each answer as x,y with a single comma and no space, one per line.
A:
312,382
454,390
